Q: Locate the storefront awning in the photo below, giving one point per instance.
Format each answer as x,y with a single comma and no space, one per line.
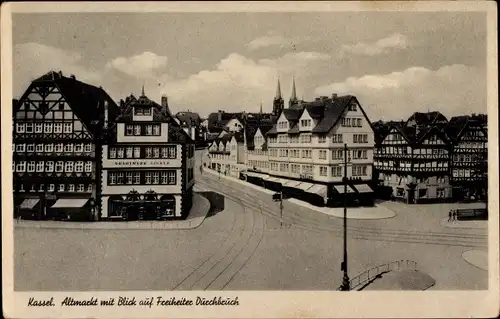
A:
29,203
291,184
305,186
340,189
273,179
363,188
318,189
70,203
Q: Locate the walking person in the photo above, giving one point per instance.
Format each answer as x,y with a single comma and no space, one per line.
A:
455,215
450,215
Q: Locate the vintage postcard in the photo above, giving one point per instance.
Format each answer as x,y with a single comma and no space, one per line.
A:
250,160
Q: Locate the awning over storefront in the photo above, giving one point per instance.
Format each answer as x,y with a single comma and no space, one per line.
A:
318,189
291,184
273,179
29,203
340,189
363,188
70,203
305,186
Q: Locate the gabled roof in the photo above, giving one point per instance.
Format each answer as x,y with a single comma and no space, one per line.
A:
85,100
187,118
251,127
334,108
424,119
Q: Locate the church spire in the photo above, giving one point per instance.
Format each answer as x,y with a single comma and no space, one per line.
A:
261,106
293,97
142,92
278,90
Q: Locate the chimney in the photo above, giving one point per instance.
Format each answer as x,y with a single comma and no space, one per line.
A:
219,116
106,114
72,76
60,74
334,95
164,103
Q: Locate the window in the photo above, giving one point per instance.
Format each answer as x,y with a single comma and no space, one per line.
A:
112,178
88,166
128,178
149,152
79,167
148,177
29,127
336,171
88,147
89,188
78,148
51,187
41,187
305,123
137,152
59,166
440,192
121,152
112,152
149,129
49,148
137,177
130,152
156,129
57,127
322,154
71,188
47,127
38,127
164,177
353,107
137,130
172,152
119,178
156,152
30,148
156,177
21,166
322,139
20,128
129,129
68,128
68,148
337,154
172,177
61,187
68,167
323,171
441,180
31,166
59,148
80,188
20,147
359,123
39,166
49,166
39,148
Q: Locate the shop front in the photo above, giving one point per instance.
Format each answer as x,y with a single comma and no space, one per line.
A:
147,206
81,209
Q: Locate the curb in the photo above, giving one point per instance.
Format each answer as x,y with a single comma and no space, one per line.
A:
471,263
202,205
299,202
444,223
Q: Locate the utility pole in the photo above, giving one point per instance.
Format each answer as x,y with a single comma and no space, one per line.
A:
281,208
345,280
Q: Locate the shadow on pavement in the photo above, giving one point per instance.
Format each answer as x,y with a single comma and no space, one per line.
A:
217,202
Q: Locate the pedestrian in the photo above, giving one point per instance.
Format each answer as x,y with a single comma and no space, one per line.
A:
449,215
455,214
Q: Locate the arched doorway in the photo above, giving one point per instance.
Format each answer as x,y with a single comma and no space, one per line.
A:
133,202
116,206
151,206
167,206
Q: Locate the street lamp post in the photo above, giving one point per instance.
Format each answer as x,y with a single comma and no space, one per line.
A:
281,208
345,280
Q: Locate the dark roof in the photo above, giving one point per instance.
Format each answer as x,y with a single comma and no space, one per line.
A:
216,125
334,108
294,129
85,100
187,118
293,115
251,127
424,119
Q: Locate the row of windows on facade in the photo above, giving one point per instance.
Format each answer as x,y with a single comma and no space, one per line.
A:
50,166
471,145
394,150
307,138
400,192
257,152
322,154
421,180
399,139
49,148
466,173
351,122
336,171
407,164
143,152
60,188
258,164
66,127
143,129
27,104
142,178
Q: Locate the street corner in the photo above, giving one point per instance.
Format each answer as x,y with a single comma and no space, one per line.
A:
463,224
477,258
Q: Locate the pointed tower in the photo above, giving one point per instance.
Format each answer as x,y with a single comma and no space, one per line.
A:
293,96
278,103
142,92
260,111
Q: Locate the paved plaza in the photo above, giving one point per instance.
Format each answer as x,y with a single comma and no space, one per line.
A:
241,246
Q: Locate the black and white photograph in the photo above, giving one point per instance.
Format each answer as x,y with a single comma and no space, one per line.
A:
178,157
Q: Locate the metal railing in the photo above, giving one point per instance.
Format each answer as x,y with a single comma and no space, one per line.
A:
370,274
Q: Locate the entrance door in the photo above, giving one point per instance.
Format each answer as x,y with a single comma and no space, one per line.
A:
411,196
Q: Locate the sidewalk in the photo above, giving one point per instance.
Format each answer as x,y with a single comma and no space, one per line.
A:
477,258
377,212
196,216
471,224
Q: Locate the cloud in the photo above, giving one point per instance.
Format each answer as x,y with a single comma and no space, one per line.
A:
32,60
267,41
386,45
453,89
144,65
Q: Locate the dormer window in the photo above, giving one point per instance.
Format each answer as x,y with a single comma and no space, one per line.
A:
305,123
353,107
283,125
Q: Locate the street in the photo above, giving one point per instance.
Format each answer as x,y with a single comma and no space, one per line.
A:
243,247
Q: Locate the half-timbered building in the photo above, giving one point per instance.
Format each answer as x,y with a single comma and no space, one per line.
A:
469,166
56,147
147,163
412,159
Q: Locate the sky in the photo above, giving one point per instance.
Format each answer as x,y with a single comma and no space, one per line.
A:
395,63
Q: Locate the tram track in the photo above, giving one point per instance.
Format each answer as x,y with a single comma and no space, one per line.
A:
218,270
357,232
